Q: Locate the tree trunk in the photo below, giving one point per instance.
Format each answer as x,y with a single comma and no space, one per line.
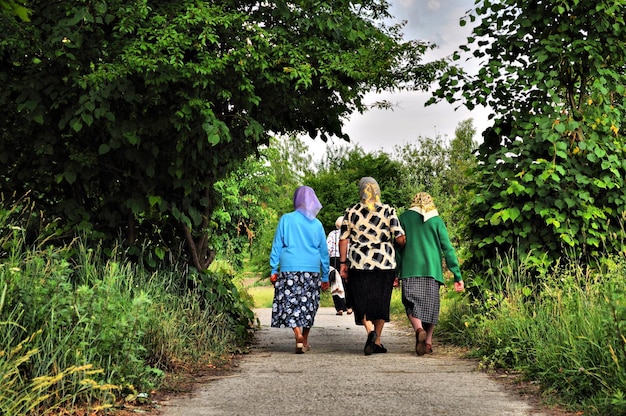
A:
200,255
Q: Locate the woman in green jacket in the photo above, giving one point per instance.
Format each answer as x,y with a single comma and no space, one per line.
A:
420,269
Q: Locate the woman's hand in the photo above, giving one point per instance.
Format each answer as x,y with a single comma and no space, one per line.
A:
459,286
274,278
343,270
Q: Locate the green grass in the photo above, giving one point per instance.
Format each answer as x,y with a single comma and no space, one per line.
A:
263,296
564,331
79,330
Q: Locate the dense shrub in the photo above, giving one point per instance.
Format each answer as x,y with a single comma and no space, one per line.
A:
99,330
567,333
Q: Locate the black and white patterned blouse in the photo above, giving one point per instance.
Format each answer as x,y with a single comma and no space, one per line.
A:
371,235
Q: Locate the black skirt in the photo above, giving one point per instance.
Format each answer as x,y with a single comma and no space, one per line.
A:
371,294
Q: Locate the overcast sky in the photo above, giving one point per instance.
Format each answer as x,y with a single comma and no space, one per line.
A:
435,21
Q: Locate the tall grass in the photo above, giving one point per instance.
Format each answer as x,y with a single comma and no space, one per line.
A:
565,330
79,331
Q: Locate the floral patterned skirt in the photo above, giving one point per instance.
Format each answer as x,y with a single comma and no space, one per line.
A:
296,299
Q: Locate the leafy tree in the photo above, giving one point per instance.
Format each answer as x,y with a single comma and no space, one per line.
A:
120,116
284,163
552,167
424,162
458,181
242,211
289,161
12,7
441,169
336,180
461,157
433,164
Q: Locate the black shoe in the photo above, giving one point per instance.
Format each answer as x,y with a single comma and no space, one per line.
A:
379,349
369,344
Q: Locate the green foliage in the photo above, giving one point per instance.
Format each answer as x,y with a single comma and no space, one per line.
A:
442,169
290,161
336,180
262,296
461,159
396,308
424,162
274,178
121,116
243,209
565,332
41,395
11,7
219,293
551,172
84,317
103,330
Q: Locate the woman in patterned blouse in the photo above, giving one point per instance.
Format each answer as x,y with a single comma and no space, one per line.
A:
367,259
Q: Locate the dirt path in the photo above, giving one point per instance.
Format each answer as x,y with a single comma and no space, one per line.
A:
335,377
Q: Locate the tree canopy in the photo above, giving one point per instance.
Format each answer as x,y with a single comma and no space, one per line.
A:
15,8
120,116
550,179
336,181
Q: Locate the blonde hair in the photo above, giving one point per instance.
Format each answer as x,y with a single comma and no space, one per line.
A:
369,192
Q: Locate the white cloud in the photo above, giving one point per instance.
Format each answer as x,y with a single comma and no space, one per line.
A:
434,4
385,129
404,3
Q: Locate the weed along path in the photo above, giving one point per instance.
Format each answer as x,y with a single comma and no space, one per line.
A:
336,378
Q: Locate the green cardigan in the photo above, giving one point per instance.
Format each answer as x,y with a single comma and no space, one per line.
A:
425,244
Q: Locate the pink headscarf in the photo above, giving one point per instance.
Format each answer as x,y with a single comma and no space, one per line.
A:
306,202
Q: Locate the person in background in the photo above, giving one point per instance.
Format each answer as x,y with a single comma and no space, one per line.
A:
338,287
337,291
368,262
299,251
420,269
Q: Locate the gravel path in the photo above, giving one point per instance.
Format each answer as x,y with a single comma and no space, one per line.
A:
335,377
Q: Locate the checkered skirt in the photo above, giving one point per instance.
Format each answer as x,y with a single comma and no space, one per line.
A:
420,296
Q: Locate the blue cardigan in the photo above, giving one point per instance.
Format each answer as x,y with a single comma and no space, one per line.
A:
300,246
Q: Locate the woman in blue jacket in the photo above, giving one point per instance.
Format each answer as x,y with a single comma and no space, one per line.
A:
300,252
